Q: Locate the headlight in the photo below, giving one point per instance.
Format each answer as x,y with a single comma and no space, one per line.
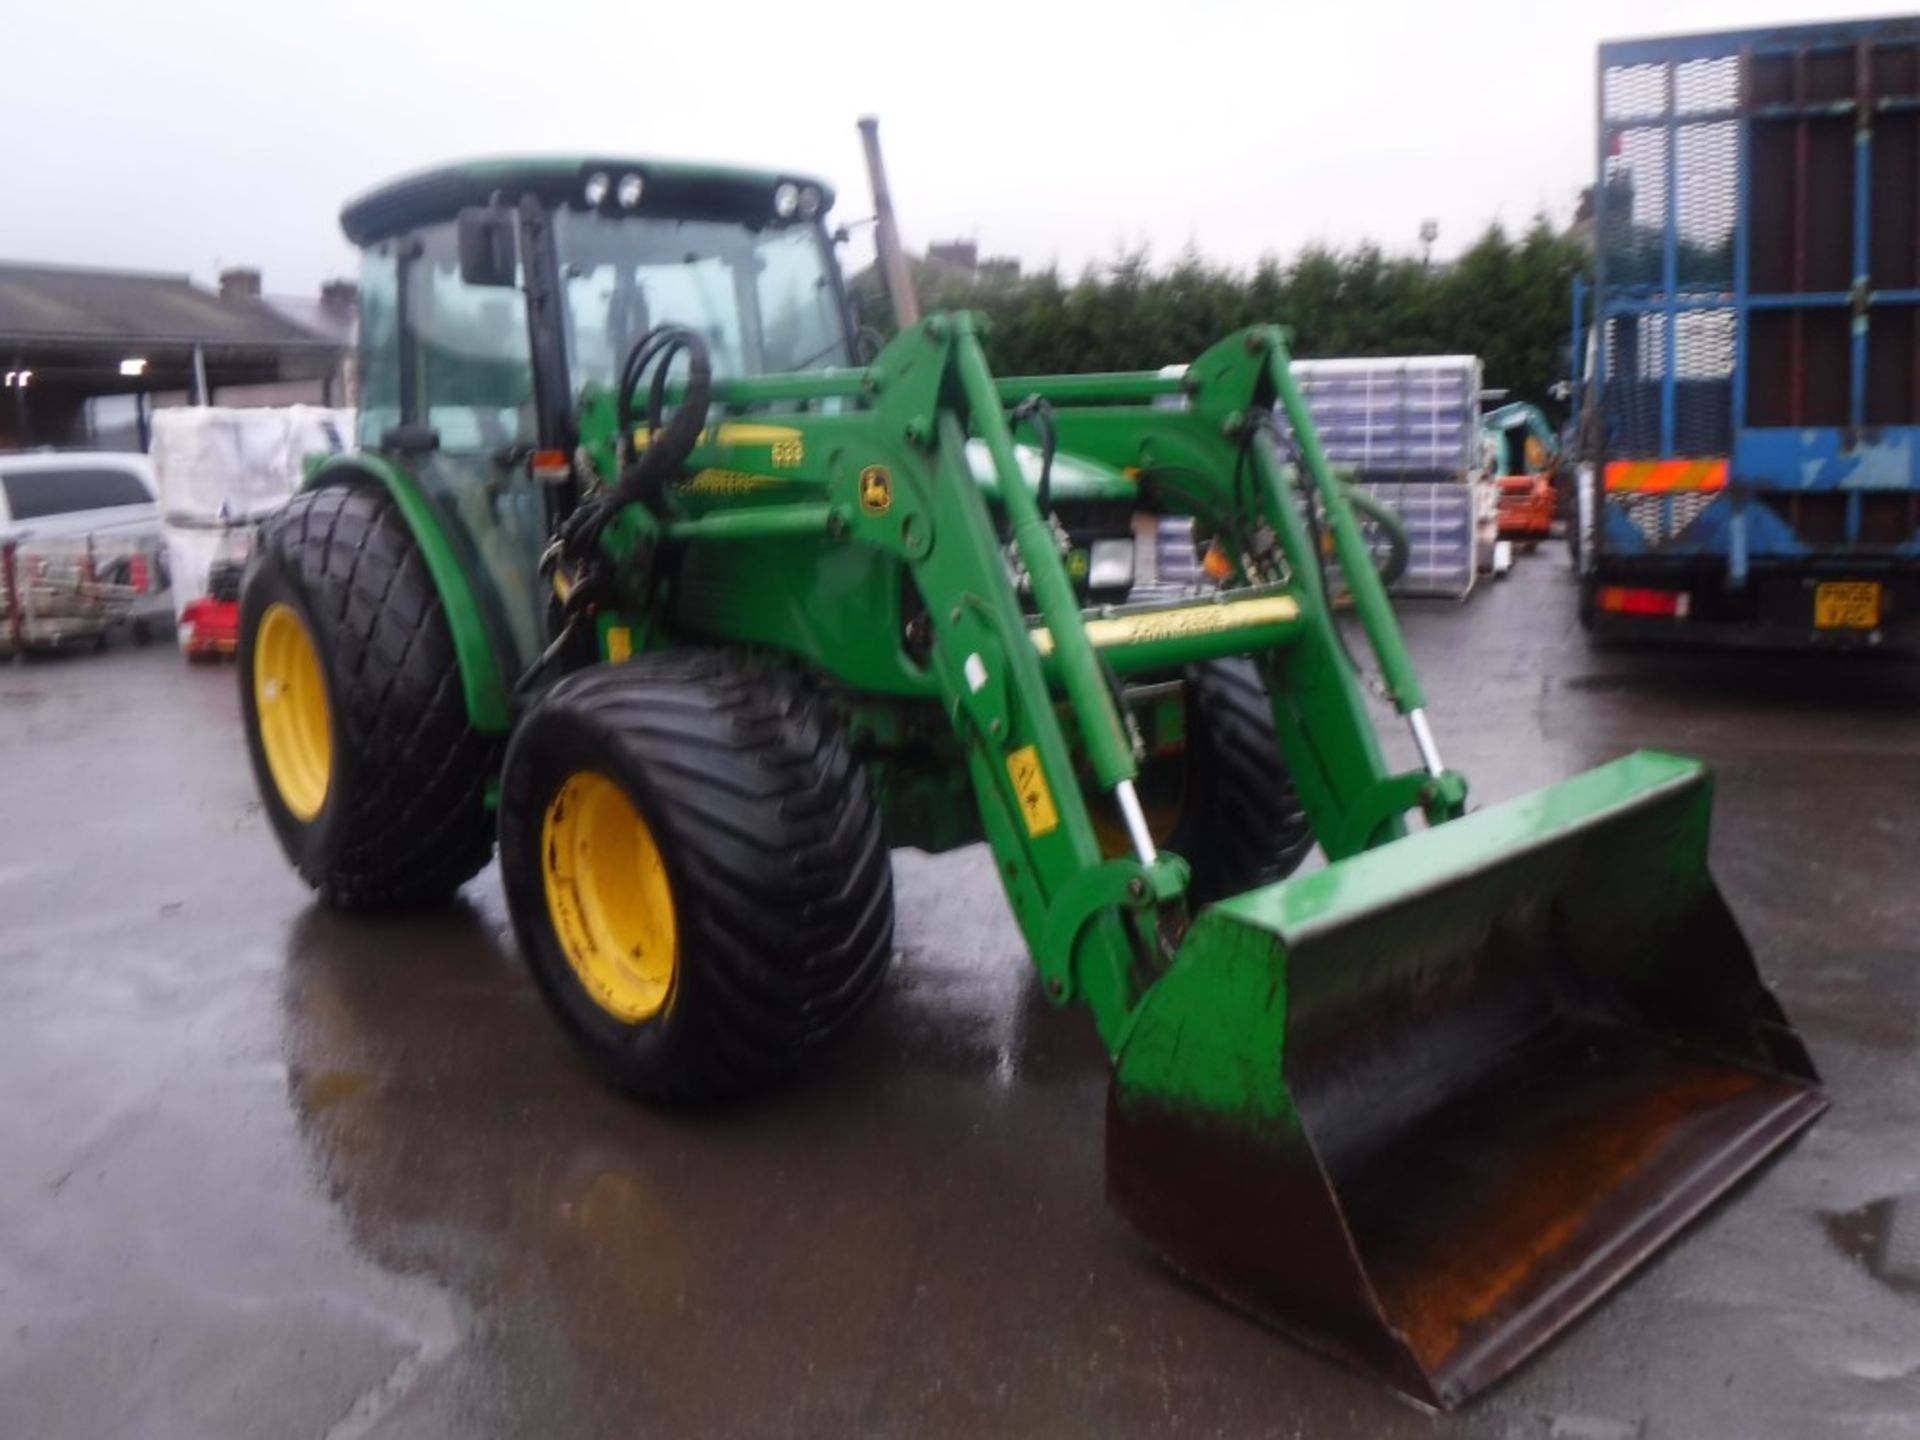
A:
630,188
809,203
786,199
1110,565
597,186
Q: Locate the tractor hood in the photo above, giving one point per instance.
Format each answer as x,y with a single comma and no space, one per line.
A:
1074,478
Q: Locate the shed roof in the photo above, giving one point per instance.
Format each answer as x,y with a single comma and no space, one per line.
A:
42,304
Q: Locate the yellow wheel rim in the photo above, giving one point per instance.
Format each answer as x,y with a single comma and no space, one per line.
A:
290,700
608,897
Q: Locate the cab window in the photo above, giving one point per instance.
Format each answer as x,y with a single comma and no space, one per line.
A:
379,379
472,358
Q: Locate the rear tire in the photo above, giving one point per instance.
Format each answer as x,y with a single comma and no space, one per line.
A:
743,816
388,811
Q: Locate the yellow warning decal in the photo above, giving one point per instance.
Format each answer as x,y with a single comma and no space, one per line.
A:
1030,784
619,644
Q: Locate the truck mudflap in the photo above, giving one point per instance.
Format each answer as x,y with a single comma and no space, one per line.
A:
1423,1107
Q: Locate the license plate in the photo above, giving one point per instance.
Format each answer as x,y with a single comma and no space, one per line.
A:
1846,605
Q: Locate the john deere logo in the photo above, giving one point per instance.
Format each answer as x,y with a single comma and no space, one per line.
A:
876,490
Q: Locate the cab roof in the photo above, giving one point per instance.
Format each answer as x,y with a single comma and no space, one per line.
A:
669,187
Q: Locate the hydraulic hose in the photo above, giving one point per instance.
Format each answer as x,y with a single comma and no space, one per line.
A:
1388,522
1036,410
644,472
645,469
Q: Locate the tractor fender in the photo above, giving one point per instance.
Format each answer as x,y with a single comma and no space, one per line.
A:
482,681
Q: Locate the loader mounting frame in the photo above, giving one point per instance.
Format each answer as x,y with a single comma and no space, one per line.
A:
892,476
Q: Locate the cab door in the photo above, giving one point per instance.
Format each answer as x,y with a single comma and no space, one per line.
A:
448,390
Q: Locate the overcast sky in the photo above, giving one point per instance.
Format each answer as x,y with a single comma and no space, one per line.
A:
188,135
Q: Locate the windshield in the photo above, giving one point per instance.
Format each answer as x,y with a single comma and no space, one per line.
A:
763,301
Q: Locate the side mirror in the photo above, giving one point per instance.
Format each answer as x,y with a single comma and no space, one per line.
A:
410,440
488,249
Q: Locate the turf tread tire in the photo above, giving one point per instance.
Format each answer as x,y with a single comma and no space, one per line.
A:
780,875
405,823
1243,824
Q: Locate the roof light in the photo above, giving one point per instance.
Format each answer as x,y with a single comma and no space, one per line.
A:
631,187
597,187
809,203
786,199
133,367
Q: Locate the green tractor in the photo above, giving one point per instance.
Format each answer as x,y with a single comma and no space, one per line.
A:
644,575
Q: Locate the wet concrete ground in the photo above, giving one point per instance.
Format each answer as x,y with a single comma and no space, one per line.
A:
266,1171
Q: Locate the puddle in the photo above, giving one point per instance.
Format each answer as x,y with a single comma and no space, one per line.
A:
1598,684
1884,1237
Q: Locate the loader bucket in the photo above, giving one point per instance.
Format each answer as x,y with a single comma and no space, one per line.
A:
1423,1107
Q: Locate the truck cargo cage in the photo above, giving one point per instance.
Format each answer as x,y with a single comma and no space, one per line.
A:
1756,371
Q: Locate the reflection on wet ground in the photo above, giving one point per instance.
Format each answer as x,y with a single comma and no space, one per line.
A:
1884,1236
274,1171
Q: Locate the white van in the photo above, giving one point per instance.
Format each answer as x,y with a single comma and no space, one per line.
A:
58,494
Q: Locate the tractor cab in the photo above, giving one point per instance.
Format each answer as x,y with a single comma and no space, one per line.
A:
497,296
493,293
476,277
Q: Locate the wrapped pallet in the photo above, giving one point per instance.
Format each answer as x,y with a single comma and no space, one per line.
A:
220,471
1407,429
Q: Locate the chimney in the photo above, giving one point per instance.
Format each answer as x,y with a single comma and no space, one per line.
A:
240,283
340,298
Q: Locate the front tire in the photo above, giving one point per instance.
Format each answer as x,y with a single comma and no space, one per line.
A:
371,775
1243,825
695,868
1225,803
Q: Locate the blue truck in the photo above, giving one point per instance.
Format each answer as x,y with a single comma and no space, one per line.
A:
1750,422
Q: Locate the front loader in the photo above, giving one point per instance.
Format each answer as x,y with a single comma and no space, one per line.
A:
640,570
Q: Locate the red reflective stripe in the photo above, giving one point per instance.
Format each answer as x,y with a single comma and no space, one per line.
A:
1659,475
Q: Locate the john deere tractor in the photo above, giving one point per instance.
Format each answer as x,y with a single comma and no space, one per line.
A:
645,575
